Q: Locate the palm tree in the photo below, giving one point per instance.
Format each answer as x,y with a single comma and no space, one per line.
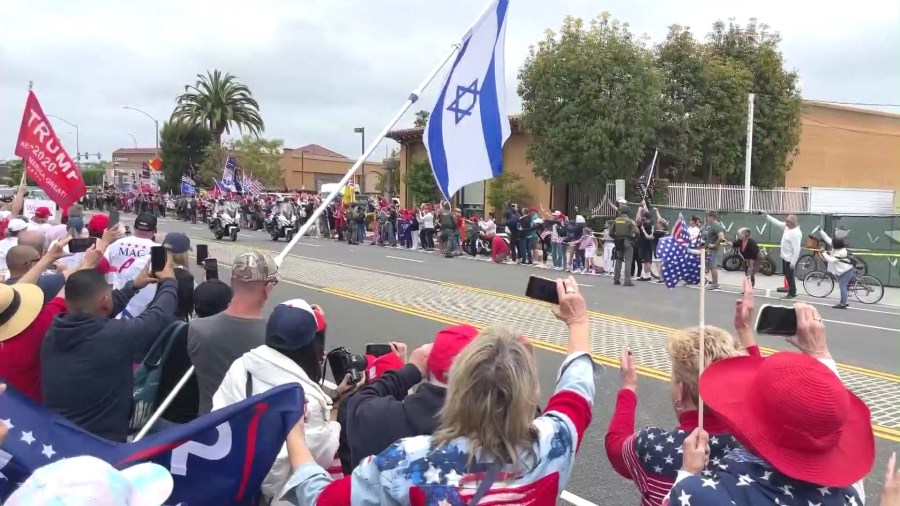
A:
219,101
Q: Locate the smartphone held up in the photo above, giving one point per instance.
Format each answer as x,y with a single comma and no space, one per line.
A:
776,320
542,289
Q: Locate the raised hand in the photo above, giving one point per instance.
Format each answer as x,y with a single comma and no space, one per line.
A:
628,370
696,451
743,314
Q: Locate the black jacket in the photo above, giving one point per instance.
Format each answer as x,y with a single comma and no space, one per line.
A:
382,412
86,361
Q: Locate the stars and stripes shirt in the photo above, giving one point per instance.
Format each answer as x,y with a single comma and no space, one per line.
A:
555,236
652,456
414,471
744,479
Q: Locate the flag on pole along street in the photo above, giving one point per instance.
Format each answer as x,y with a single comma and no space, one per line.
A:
46,161
189,180
469,125
187,186
145,171
229,172
645,182
679,262
219,458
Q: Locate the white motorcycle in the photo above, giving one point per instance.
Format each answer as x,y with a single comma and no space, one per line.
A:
226,222
282,225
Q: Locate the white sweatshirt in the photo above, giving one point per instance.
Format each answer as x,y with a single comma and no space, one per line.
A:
791,241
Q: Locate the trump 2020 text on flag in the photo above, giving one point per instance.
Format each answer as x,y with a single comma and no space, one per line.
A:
46,162
468,125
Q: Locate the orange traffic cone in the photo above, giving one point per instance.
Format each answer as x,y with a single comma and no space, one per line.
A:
784,289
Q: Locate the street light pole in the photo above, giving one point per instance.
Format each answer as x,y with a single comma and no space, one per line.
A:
155,122
135,140
362,182
77,139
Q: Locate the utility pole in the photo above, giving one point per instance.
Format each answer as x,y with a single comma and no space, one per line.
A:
362,181
749,154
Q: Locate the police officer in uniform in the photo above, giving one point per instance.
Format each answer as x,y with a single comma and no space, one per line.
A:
624,230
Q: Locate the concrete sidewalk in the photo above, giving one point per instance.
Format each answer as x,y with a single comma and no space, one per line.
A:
769,285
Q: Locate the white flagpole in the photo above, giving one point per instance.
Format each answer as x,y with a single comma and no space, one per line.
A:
749,151
165,404
702,330
413,97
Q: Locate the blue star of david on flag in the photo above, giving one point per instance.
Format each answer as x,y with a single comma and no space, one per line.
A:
468,124
461,93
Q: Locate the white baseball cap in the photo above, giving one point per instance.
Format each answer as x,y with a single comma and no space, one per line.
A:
16,225
89,481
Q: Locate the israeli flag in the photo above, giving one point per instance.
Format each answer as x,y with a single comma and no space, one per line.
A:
468,125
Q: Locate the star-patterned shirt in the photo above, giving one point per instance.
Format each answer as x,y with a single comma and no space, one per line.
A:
743,479
414,471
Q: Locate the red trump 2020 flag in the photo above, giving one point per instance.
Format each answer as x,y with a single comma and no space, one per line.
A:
46,162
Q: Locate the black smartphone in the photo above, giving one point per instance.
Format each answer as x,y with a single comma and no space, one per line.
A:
542,289
113,218
211,265
81,244
377,350
157,258
202,253
776,320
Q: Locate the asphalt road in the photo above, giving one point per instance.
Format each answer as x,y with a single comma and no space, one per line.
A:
865,340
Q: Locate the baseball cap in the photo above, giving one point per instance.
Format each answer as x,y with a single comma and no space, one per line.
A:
253,266
579,219
177,242
17,225
89,480
42,212
292,325
378,366
76,223
98,223
447,345
211,297
145,222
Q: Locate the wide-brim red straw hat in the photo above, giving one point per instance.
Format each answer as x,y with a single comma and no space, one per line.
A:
796,414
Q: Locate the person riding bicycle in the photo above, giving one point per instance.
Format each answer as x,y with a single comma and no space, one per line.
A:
750,252
841,264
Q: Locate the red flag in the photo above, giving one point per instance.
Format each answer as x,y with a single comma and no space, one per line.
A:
46,161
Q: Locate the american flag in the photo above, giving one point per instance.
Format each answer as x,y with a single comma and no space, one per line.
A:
743,479
252,185
645,182
678,262
145,170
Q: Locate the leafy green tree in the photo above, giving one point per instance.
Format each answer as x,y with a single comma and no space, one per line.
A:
389,177
507,188
256,156
220,102
776,124
420,183
14,169
702,126
181,145
421,118
92,177
591,101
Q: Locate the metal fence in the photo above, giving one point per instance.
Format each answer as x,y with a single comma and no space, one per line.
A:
731,198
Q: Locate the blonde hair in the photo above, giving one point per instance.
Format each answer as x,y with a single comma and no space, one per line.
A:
182,259
492,396
683,347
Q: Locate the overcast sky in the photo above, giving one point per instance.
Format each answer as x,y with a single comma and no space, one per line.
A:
319,68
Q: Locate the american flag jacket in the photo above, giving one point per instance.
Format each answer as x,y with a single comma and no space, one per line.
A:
743,479
413,471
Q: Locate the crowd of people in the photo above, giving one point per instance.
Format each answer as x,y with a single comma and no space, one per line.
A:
456,421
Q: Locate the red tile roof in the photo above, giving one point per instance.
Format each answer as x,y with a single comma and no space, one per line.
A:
415,133
316,150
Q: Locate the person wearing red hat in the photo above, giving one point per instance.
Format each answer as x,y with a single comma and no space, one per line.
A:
487,433
382,412
805,438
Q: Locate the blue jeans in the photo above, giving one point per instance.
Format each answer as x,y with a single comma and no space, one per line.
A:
360,232
558,250
844,283
524,250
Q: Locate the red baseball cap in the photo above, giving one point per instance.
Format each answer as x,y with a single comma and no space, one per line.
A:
98,223
795,413
377,366
447,345
42,212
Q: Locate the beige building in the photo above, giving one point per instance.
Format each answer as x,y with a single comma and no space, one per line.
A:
311,166
839,147
126,165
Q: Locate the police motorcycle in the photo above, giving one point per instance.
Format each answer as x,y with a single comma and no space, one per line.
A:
225,220
282,222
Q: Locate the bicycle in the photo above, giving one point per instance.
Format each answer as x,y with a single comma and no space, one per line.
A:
813,262
735,262
865,288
